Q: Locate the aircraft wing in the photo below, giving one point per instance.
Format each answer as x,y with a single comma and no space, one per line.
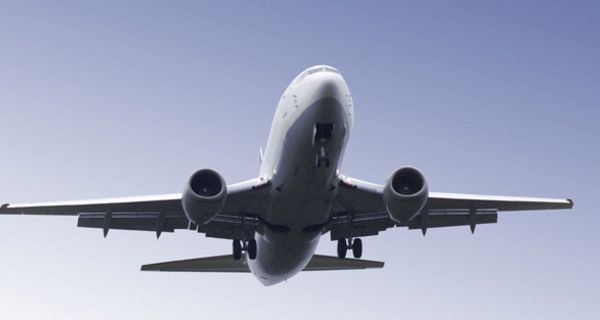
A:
158,213
361,211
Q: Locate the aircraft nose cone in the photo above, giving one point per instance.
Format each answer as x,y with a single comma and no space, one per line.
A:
329,86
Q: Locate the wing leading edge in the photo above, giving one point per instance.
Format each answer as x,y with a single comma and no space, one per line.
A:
362,203
439,200
163,213
158,213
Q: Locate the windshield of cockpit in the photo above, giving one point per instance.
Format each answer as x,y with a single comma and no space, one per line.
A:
314,70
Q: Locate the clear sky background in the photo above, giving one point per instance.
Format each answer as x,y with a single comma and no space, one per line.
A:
116,98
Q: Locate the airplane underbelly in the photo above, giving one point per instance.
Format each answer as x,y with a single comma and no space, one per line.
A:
303,190
280,257
303,183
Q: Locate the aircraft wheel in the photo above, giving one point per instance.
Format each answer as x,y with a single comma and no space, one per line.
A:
251,249
342,248
357,248
237,250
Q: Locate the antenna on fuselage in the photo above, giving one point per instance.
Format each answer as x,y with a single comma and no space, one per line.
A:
260,155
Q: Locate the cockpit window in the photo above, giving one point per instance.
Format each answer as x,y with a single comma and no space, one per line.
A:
321,69
332,70
313,71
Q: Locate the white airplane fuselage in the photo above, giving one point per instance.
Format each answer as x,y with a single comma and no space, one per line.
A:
306,142
276,219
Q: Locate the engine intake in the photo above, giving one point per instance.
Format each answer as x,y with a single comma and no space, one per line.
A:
204,196
405,194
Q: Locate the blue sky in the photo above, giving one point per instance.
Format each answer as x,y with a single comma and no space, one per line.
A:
117,98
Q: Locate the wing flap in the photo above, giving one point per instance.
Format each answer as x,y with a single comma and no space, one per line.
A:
452,219
133,221
372,224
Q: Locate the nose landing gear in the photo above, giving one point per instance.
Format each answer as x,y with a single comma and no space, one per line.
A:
248,246
322,133
349,244
321,158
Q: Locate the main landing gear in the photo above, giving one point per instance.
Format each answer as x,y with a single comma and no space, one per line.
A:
349,244
248,246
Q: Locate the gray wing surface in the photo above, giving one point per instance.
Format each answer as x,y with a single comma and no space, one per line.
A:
158,213
361,202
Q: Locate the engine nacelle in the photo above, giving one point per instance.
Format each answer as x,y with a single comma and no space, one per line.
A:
405,194
204,196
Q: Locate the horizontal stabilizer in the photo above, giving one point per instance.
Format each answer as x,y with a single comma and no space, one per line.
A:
226,263
325,263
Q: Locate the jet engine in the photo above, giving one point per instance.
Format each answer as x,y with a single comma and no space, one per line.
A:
204,196
405,194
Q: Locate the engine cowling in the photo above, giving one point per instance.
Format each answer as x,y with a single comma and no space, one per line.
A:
204,196
405,194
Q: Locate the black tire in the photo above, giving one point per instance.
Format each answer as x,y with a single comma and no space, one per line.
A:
342,248
237,250
357,248
251,249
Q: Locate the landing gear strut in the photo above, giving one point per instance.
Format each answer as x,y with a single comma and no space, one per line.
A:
346,244
251,249
248,246
342,248
357,248
321,158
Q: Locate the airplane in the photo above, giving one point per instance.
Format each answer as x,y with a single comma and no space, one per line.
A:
276,220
